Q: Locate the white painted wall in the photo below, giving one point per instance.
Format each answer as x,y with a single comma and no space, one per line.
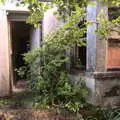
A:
35,37
4,55
5,80
50,21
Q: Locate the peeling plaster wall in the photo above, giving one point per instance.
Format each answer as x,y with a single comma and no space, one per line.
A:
107,89
90,83
50,21
5,80
4,55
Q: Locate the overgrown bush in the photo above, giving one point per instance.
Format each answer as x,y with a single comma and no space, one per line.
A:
47,73
111,114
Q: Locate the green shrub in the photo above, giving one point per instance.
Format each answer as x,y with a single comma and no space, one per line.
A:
47,74
112,114
51,82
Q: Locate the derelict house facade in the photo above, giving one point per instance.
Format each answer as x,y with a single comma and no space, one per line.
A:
100,61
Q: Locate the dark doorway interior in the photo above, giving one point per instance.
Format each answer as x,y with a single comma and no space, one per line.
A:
20,45
78,59
82,56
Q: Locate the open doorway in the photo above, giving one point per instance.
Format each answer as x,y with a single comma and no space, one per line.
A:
20,35
78,58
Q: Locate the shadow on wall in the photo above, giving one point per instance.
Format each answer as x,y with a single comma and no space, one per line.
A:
4,86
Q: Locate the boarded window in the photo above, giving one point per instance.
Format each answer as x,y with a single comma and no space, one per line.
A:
114,42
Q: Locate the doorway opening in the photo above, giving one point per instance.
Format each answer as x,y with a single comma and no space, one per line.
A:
78,58
20,35
82,56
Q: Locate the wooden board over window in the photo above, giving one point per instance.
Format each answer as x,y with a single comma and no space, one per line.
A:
114,54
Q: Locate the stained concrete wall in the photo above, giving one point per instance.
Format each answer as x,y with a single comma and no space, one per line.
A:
101,44
5,82
50,21
90,83
101,56
4,55
107,89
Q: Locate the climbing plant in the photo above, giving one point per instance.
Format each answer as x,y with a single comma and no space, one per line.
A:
67,10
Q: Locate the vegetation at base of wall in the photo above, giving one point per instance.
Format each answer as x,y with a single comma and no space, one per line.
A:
26,101
90,112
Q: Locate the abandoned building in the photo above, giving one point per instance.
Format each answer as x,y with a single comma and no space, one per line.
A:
100,58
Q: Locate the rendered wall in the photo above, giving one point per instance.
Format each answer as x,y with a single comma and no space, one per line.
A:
4,55
50,21
35,38
107,89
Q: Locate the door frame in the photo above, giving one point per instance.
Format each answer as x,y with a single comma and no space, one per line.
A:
21,17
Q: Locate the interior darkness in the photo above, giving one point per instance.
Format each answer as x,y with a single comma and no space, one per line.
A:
82,50
20,45
78,60
82,56
113,13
